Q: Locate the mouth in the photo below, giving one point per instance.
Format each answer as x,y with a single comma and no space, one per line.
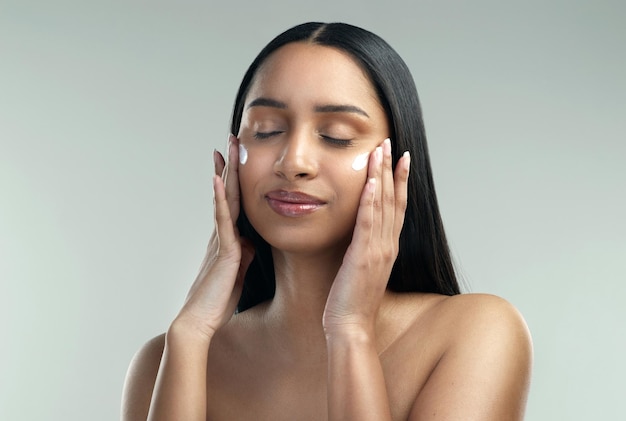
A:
293,203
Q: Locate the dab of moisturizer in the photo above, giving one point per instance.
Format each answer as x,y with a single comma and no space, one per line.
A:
360,161
243,154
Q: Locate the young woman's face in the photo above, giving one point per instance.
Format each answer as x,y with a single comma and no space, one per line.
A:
310,120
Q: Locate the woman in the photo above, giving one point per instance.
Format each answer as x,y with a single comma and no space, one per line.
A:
326,218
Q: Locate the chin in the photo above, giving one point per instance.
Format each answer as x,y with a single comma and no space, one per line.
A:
312,241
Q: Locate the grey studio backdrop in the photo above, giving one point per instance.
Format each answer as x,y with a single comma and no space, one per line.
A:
110,110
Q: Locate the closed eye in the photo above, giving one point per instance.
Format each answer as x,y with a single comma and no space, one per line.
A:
337,142
328,139
266,135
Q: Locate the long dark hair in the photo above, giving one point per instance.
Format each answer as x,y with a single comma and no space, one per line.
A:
424,263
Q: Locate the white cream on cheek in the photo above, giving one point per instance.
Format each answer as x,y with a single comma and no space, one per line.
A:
360,161
243,154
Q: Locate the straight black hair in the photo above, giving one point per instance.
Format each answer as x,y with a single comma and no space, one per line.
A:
424,263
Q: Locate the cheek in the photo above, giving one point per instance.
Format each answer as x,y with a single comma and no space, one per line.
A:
254,167
349,176
246,180
350,169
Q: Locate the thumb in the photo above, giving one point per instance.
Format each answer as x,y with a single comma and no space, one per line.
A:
247,255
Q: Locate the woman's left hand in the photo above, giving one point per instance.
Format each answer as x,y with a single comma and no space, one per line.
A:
361,281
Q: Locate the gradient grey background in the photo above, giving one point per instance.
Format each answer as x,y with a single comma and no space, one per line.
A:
110,110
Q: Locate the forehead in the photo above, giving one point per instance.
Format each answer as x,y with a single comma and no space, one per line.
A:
308,72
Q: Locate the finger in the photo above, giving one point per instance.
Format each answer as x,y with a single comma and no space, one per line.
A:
231,177
368,215
401,178
387,192
218,167
223,220
247,255
218,162
365,216
222,237
375,172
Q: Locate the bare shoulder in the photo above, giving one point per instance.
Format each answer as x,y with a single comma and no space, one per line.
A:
461,321
479,311
485,328
460,314
485,363
140,379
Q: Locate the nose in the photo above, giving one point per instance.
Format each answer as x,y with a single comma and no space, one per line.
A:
297,158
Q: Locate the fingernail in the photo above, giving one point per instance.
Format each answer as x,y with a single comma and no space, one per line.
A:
379,153
387,146
372,184
407,160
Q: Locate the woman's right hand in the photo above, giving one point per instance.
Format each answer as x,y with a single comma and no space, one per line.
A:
213,297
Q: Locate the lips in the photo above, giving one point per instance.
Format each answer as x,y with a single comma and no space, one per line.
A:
293,203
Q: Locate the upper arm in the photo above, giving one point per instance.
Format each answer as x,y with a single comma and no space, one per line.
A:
484,373
140,380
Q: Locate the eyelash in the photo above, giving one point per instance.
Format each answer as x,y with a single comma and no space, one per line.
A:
331,140
337,142
265,135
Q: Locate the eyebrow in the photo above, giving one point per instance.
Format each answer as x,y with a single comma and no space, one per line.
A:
267,102
331,108
340,109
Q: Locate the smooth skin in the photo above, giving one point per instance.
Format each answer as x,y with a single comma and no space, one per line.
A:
333,344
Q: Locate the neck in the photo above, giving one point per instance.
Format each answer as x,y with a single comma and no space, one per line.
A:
302,286
304,281
293,318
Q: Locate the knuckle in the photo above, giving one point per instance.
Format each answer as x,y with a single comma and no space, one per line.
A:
367,201
366,223
387,254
